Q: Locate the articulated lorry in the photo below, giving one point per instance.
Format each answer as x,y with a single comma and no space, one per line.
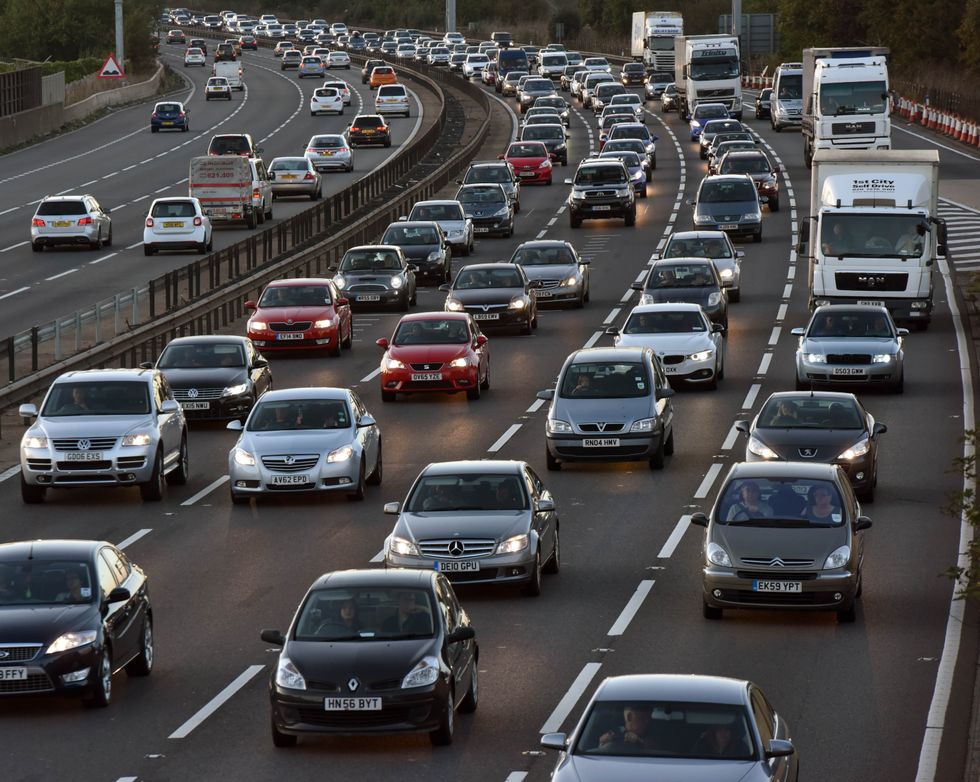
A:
652,39
874,234
845,99
707,70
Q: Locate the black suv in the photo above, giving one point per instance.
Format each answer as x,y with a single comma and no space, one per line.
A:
633,73
601,189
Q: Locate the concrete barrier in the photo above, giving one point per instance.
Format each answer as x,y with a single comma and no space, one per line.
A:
25,125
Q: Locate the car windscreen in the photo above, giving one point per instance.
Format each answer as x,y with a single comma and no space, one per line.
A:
68,207
667,729
559,254
546,101
745,165
489,174
299,415
721,126
312,61
600,175
202,355
295,296
630,159
437,212
410,235
625,145
168,108
46,582
605,380
678,275
616,118
327,142
630,131
369,260
665,322
527,150
481,195
626,99
855,324
780,502
539,85
467,491
365,614
726,192
698,247
116,397
634,67
472,279
865,235
232,145
810,412
432,332
546,132
703,113
290,164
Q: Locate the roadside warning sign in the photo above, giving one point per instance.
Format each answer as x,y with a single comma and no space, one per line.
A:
111,69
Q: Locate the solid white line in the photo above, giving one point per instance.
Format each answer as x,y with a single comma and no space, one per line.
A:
133,538
750,396
774,337
502,440
216,702
516,776
781,312
9,473
730,439
104,258
63,274
536,405
764,364
14,293
590,342
13,247
206,490
613,314
570,698
629,611
373,375
670,545
937,144
709,479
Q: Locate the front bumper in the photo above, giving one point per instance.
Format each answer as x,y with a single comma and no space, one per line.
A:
535,175
492,225
497,318
561,294
631,447
689,370
599,208
494,569
822,590
453,380
119,465
740,229
221,409
859,471
376,296
312,339
45,673
323,477
888,375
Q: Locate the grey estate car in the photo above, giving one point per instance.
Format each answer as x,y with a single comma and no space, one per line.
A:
479,522
612,405
104,427
783,535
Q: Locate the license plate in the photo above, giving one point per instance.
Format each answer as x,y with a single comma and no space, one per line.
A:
848,371
13,674
288,176
289,335
369,297
526,174
777,586
195,405
327,154
167,122
423,376
728,226
289,480
486,316
352,704
458,567
62,223
670,370
545,294
601,442
481,230
177,224
368,132
871,302
601,208
84,456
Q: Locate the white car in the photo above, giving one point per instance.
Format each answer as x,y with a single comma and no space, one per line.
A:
392,99
597,65
338,60
338,28
473,65
634,101
689,346
342,87
326,99
218,88
451,39
438,55
195,57
405,51
176,224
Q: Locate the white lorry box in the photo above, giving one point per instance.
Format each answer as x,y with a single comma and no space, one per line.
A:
223,185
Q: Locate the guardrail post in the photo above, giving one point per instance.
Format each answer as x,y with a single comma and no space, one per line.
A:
57,339
11,367
136,307
98,322
33,348
115,314
197,279
153,304
78,331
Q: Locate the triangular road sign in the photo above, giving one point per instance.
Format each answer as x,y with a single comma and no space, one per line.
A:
111,69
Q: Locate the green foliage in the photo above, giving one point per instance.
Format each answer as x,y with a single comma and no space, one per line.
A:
969,35
965,505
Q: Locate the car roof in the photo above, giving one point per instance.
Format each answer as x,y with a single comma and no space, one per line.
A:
134,373
439,202
487,265
49,549
745,153
435,315
681,260
843,396
208,339
727,178
545,243
388,247
697,235
489,164
799,470
66,199
875,308
632,353
292,281
414,224
314,392
674,687
667,306
375,577
474,466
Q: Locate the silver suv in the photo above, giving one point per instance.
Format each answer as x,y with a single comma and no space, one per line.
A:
104,427
70,220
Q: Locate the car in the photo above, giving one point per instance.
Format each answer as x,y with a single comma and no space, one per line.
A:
702,113
75,219
632,73
689,346
530,160
629,145
556,102
425,246
592,80
533,88
305,440
301,313
282,47
338,28
342,87
453,38
610,118
405,51
325,100
756,165
710,128
330,152
338,60
634,165
829,427
226,52
763,104
435,352
610,405
176,36
249,42
291,59
497,295
457,227
104,427
194,57
721,148
389,48
495,172
414,650
502,39
438,56
382,75
369,129
217,87
552,135
601,189
393,99
634,101
729,203
510,519
310,66
233,144
783,535
198,43
604,93
177,223
656,83
370,65
377,274
637,130
488,208
295,176
562,277
169,115
851,344
489,74
508,85
262,195
694,280
669,99
717,246
567,74
547,115
356,43
686,727
473,65
75,613
577,83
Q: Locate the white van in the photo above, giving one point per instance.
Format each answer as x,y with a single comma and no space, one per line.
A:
232,71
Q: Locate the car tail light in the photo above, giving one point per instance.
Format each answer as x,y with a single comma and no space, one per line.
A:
312,150
309,176
256,193
37,222
355,129
180,116
149,222
197,221
153,115
85,221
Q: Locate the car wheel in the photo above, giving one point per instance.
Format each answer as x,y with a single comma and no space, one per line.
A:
154,130
179,475
210,246
374,479
250,220
801,386
485,383
268,213
334,352
31,494
97,243
860,589
643,192
282,739
37,247
152,490
899,387
553,565
757,237
712,384
710,612
657,460
532,588
259,215
142,664
348,343
573,221
202,247
238,499
101,695
580,301
358,494
847,615
404,304
443,735
868,494
388,396
552,463
669,445
473,393
526,328
108,241
472,698
630,219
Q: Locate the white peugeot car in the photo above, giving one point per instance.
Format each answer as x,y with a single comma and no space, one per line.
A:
176,224
326,99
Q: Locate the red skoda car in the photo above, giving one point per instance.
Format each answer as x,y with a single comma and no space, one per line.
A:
301,314
530,161
435,351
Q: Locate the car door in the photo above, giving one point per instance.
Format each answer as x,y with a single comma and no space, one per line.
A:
259,370
130,622
264,185
368,436
343,311
543,522
458,654
766,723
170,425
482,351
664,407
115,616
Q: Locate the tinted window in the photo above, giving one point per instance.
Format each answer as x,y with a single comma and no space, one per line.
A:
489,174
481,195
853,323
299,415
410,235
365,614
365,260
600,175
811,413
295,296
543,256
698,247
785,502
674,275
468,491
630,131
504,277
679,322
432,332
290,164
40,582
327,142
173,209
229,145
745,165
545,132
62,208
392,91
604,380
721,192
190,355
437,212
120,397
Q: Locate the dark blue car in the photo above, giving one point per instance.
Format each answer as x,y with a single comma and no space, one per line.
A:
169,115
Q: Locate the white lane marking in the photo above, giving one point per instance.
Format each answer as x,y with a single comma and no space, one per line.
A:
130,168
709,479
206,490
630,609
516,776
133,246
764,364
626,296
640,277
936,720
12,209
552,221
371,376
216,702
9,473
570,698
63,274
774,337
670,545
536,405
13,247
541,233
379,557
502,440
781,312
141,198
103,258
730,439
14,293
133,538
788,290
751,395
93,181
937,144
127,779
110,176
161,189
590,342
613,314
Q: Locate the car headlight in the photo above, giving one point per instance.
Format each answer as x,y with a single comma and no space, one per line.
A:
502,212
714,299
454,305
244,458
402,547
457,232
816,358
760,449
342,454
340,281
643,425
695,125
571,280
557,426
288,675
577,195
727,274
324,324
435,255
561,148
702,355
838,558
517,303
235,390
459,363
769,183
752,216
397,282
545,164
881,358
72,641
137,438
392,363
258,325
860,448
426,672
638,175
718,556
699,218
35,439
513,544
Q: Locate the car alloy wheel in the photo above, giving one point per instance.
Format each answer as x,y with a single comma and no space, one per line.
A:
553,565
443,735
142,664
358,493
472,698
179,475
532,588
101,694
152,490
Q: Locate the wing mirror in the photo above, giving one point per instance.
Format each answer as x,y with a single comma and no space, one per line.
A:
235,426
548,394
260,363
557,741
274,637
146,365
460,634
250,305
545,505
613,331
664,393
780,748
878,429
169,406
412,267
689,202
636,286
699,520
28,411
402,218
863,522
392,508
718,328
342,302
481,340
742,426
366,420
568,181
118,595
445,287
797,332
902,332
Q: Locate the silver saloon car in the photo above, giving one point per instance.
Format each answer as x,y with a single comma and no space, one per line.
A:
305,440
451,218
562,275
479,522
104,427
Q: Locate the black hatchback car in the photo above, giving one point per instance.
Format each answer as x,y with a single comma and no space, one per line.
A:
763,104
374,651
424,245
692,280
497,295
488,207
72,613
369,129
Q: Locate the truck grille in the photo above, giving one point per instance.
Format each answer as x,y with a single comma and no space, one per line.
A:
853,128
870,281
472,547
93,443
715,94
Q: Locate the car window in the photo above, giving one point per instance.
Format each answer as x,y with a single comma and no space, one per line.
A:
365,614
559,254
367,260
481,195
191,355
40,582
605,380
468,491
66,207
448,606
410,235
665,322
173,209
488,174
745,165
505,277
295,296
726,192
600,175
764,720
436,212
229,145
780,502
698,247
106,575
547,132
326,142
811,413
118,564
97,398
677,275
290,164
834,323
299,415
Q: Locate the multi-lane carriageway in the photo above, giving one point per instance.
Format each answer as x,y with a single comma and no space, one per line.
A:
627,600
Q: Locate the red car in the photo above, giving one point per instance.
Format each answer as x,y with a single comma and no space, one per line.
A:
435,351
530,161
301,314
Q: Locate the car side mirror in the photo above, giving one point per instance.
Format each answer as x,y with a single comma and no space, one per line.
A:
613,331
402,218
548,394
274,637
879,428
481,340
804,240
169,406
146,365
690,202
557,741
259,150
461,634
568,181
779,748
235,426
718,328
412,268
545,505
797,332
118,595
863,522
260,363
343,302
392,508
699,520
27,411
500,157
664,393
250,305
445,287
902,332
742,426
636,286
366,420
740,253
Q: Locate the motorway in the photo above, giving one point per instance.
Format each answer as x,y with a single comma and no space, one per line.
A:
856,696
